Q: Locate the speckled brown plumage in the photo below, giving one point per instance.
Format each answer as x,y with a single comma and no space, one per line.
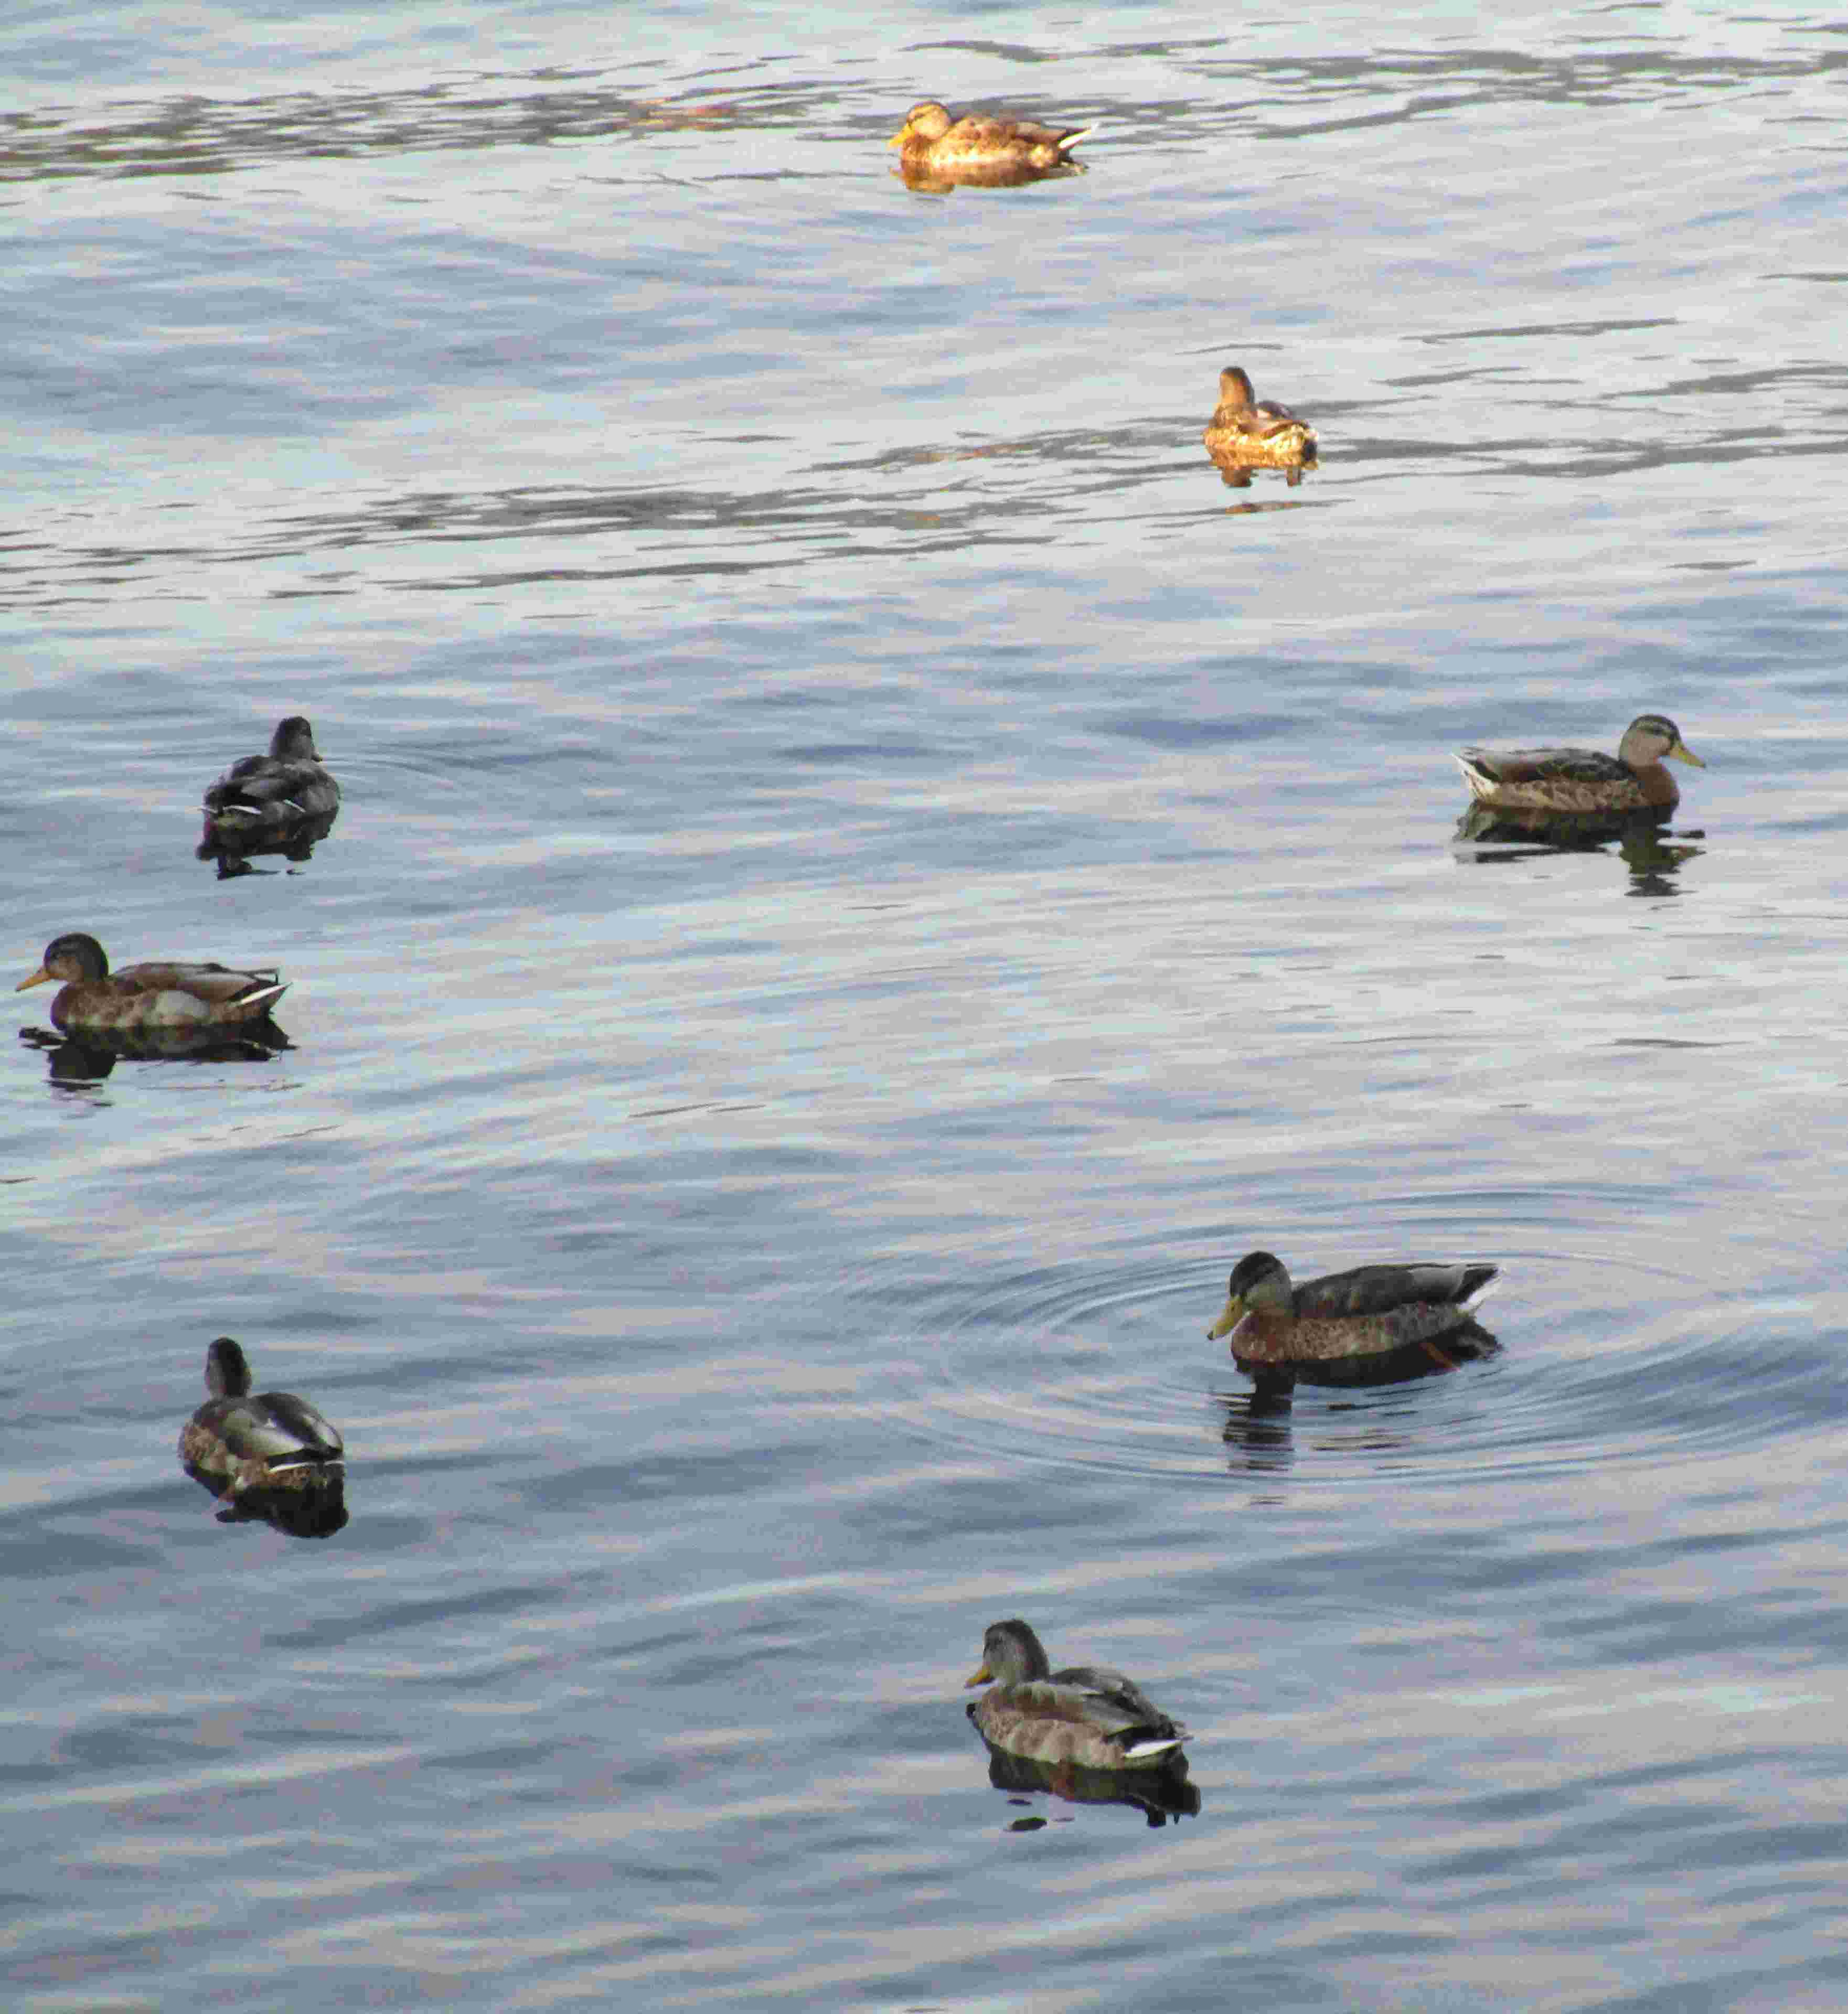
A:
261,1441
934,144
155,993
1086,1714
1584,779
1254,432
1364,1312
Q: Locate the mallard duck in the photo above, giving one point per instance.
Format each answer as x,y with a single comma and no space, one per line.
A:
1358,1313
286,785
159,994
931,142
1096,1719
260,1441
1582,780
1247,429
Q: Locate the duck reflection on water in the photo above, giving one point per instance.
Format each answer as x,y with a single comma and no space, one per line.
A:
90,1056
1159,1794
1501,833
923,179
1256,1424
317,1513
234,849
1253,1418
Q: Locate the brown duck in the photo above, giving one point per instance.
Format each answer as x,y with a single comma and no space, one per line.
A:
1084,1715
1584,779
931,144
157,994
257,1440
283,787
1363,1313
1255,432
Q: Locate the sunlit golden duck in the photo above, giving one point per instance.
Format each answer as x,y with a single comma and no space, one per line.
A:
260,1441
1582,780
1362,1313
283,787
158,993
1254,431
1087,1715
931,143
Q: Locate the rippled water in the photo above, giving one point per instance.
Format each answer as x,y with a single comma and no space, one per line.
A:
868,877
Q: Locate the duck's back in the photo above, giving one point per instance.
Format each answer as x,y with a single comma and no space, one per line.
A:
979,136
1374,1290
1119,1694
1516,766
216,985
259,786
270,1426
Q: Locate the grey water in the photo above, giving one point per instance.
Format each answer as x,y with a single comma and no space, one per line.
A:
868,877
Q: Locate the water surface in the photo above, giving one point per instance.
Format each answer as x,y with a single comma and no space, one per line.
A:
868,878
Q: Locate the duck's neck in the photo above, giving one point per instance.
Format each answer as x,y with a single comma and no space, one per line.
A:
1657,786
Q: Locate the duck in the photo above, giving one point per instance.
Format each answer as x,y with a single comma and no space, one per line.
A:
931,142
1584,779
1246,429
287,784
1086,1715
1363,1313
259,1441
159,993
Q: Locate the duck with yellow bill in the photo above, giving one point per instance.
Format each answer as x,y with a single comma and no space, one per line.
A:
1367,1311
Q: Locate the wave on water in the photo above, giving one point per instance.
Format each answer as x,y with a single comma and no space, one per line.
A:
1105,1366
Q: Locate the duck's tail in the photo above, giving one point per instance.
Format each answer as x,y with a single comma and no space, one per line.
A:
1149,1739
251,1005
1479,1283
324,1464
1146,1751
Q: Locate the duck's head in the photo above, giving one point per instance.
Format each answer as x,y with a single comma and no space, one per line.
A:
1653,737
227,1374
1258,1280
1234,387
1262,417
1010,1655
927,121
72,956
293,740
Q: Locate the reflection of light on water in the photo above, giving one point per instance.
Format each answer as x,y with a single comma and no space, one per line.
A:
1721,1697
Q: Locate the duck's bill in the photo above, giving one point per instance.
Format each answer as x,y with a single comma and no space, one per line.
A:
41,977
1230,1316
1680,752
981,1675
899,137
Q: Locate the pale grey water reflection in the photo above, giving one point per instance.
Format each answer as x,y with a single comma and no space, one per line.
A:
865,879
